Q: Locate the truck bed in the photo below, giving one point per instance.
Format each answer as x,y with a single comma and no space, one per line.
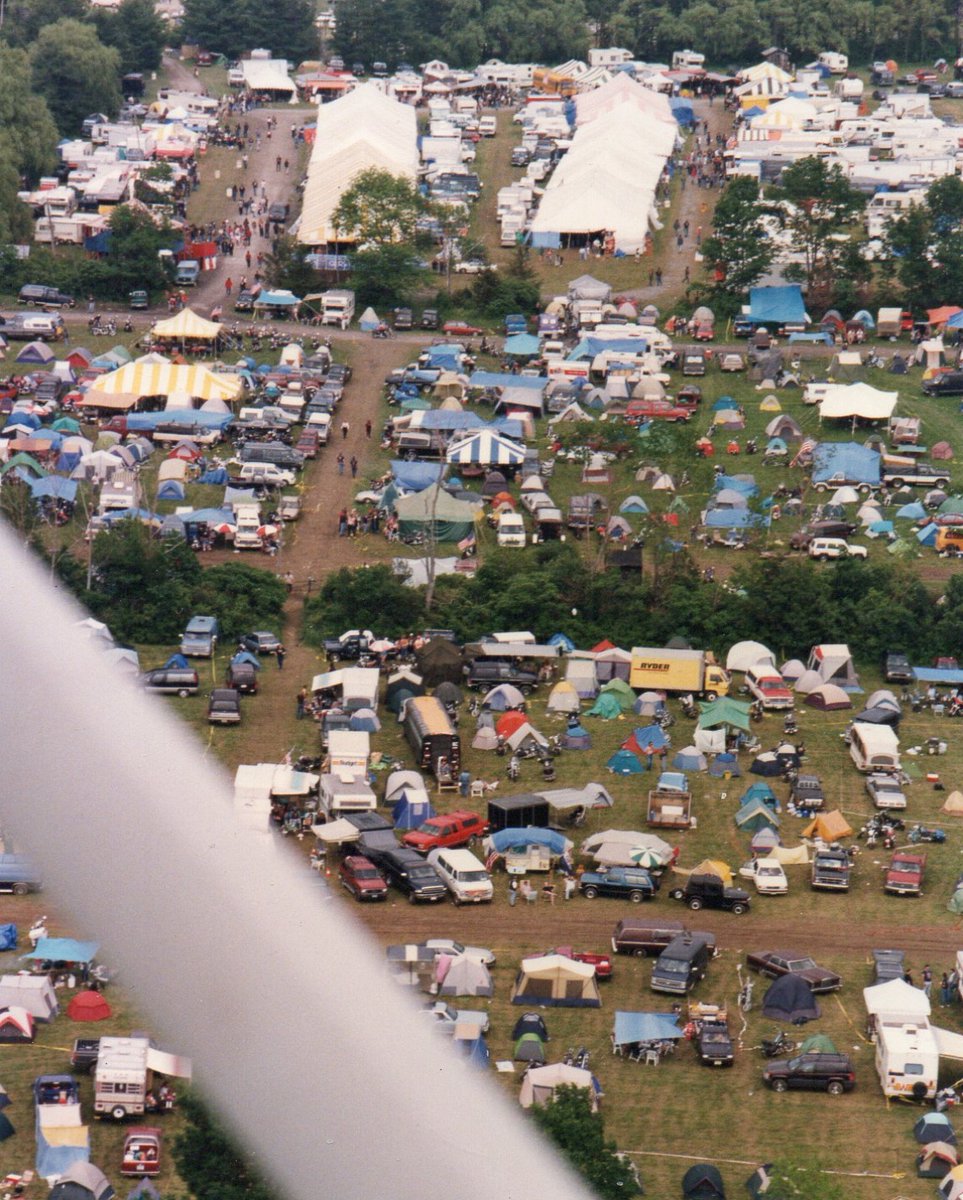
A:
669,809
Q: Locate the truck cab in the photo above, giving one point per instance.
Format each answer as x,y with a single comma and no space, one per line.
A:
187,273
831,869
904,875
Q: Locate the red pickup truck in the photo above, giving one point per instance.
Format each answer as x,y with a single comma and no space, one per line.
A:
904,875
452,829
601,962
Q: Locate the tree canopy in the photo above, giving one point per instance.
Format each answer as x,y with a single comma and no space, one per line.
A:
75,73
580,1134
232,27
738,250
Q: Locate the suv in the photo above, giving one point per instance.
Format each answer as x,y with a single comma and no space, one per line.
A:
623,883
896,668
44,297
904,875
713,1043
453,829
429,318
171,680
946,383
488,672
199,639
403,318
224,707
708,891
681,965
833,1073
825,548
261,641
242,676
801,539
362,878
807,792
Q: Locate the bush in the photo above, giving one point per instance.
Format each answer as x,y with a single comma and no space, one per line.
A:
350,599
244,598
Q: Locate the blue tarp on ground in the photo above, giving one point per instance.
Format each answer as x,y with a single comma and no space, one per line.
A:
732,518
415,476
845,462
56,1159
777,305
745,487
504,379
633,1027
216,475
508,839
54,485
67,950
682,110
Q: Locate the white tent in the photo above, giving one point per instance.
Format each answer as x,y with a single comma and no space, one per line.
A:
857,400
896,998
744,655
35,993
539,1084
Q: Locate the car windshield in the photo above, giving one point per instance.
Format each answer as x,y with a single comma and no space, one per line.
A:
800,964
673,966
908,868
367,873
472,877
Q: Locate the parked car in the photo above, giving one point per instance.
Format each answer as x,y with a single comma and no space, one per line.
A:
474,266
461,327
601,962
176,681
224,707
885,790
429,318
403,318
833,1073
407,871
455,949
362,878
896,668
309,443
40,296
826,548
945,383
806,791
243,677
622,883
768,876
888,964
199,639
708,891
775,963
451,829
449,1016
637,411
261,641
904,875
487,672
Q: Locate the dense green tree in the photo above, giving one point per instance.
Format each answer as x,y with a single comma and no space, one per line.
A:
285,267
16,219
368,594
28,136
815,202
379,208
738,252
143,587
243,597
232,27
134,242
135,31
386,276
925,246
25,18
209,1162
75,73
580,1134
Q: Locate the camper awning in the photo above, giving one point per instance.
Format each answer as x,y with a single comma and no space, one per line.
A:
950,1044
336,832
168,1064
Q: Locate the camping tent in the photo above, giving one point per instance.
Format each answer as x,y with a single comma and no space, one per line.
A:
439,661
829,698
436,511
412,809
790,998
463,976
703,1182
35,993
16,1025
621,691
606,706
953,804
830,826
834,664
580,672
744,655
82,1181
89,1006
539,1084
556,981
563,698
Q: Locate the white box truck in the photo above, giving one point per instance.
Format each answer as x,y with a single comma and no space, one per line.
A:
907,1058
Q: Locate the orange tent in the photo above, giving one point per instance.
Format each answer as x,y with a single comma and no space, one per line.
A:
509,722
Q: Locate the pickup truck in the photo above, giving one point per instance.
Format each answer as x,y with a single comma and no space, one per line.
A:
904,875
917,474
831,869
348,647
83,1056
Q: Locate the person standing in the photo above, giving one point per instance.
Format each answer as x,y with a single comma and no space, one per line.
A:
367,428
946,996
345,429
927,978
513,893
279,654
354,467
302,701
340,461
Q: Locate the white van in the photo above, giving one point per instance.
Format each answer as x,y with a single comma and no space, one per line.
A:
874,747
511,530
464,876
320,423
267,474
488,126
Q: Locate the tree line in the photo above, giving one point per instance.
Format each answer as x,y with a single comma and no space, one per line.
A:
731,33
781,602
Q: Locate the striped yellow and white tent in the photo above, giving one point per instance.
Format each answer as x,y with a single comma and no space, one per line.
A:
141,379
187,326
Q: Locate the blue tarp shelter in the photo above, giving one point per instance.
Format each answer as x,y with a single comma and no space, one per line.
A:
54,485
845,462
682,110
938,675
589,347
781,305
216,475
522,345
634,1027
67,950
189,418
504,379
732,518
415,476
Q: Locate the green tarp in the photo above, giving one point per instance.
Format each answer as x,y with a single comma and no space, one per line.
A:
435,511
724,711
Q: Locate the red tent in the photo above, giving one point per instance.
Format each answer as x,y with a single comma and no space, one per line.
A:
601,646
509,722
16,1025
89,1006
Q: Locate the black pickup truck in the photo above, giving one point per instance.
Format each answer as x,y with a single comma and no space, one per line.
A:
83,1056
347,648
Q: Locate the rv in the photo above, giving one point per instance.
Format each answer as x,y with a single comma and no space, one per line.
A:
432,735
247,535
124,1072
337,307
907,1058
344,792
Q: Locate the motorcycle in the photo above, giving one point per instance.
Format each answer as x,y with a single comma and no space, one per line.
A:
514,768
780,1044
921,833
37,931
790,725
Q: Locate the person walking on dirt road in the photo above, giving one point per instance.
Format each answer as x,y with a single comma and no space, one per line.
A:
340,464
345,429
367,428
354,467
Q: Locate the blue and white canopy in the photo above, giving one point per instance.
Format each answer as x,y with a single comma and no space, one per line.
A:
486,448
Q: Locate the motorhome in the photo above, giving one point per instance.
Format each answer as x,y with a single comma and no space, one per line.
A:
247,535
886,207
124,1073
874,747
907,1057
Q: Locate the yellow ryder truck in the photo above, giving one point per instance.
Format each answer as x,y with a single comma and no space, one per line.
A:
692,671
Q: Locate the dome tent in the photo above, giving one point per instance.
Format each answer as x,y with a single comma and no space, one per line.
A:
89,1006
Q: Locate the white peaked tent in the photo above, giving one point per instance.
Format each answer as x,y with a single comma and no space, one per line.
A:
857,400
539,1084
744,655
361,130
487,449
896,998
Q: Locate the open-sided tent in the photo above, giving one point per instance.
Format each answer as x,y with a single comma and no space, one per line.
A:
703,1182
556,981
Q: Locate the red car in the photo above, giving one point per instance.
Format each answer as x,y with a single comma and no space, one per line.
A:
461,327
637,411
362,878
904,876
601,962
452,829
142,1151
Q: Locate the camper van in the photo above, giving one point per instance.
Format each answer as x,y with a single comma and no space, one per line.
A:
886,207
464,876
907,1058
511,529
432,735
874,747
837,63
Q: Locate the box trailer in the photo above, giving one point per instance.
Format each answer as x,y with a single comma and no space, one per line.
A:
432,735
518,812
